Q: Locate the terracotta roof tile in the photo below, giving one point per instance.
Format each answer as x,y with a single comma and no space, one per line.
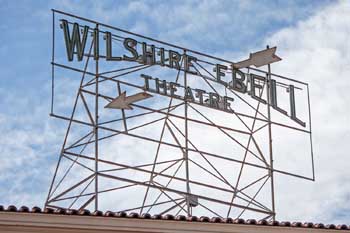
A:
97,213
85,212
330,226
48,211
204,219
12,208
251,221
263,222
146,216
308,225
285,224
72,212
342,227
24,209
274,223
121,214
319,225
169,217
59,211
228,220
216,220
193,219
297,224
157,216
239,221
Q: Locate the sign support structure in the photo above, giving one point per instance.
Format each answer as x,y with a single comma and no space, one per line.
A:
155,128
270,139
96,131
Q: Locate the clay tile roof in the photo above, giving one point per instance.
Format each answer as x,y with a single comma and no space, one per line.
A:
84,212
181,218
285,224
48,211
193,218
24,209
36,209
319,225
297,224
97,213
122,214
12,208
251,221
239,221
108,214
59,211
330,226
274,223
342,227
216,220
263,222
204,219
146,216
169,217
157,216
228,220
133,215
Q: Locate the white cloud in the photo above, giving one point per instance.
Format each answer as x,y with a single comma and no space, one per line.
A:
317,51
28,142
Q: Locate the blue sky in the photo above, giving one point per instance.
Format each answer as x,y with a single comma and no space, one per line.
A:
302,30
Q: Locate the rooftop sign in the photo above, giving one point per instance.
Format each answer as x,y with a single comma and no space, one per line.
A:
149,54
169,129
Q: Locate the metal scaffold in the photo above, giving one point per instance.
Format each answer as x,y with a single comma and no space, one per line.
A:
153,127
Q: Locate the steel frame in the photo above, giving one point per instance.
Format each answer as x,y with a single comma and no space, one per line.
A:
183,204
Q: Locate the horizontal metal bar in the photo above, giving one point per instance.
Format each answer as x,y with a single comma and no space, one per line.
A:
155,173
141,114
192,150
279,76
92,193
174,115
145,206
185,193
173,177
143,165
72,187
142,88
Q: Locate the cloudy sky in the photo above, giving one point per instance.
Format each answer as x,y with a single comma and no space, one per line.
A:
312,38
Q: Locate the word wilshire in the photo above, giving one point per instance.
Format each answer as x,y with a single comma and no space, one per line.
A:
150,55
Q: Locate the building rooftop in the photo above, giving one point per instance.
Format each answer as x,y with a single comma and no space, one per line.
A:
25,211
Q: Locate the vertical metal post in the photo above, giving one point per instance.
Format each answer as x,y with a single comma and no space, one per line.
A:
52,62
52,100
311,145
96,130
189,212
270,139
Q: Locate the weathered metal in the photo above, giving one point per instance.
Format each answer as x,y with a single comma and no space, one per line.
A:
192,91
260,58
123,102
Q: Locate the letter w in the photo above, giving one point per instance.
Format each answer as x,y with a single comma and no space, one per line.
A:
74,43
